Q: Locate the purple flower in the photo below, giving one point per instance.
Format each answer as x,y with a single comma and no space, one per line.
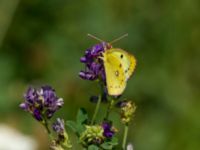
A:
59,126
94,68
109,131
41,103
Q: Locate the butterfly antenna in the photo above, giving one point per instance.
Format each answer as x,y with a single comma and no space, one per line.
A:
119,38
94,37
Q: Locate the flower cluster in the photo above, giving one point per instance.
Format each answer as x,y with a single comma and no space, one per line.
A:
41,103
93,134
97,134
94,65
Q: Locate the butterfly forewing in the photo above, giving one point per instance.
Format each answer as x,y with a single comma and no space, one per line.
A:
115,76
127,61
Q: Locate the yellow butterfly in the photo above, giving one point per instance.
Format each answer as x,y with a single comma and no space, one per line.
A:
119,65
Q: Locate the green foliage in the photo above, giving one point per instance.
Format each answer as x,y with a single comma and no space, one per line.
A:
82,116
110,144
93,147
78,126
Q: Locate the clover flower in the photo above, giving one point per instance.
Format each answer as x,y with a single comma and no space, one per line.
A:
94,65
109,130
127,110
41,103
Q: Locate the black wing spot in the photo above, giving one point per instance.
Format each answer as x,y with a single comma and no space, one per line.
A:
120,65
121,56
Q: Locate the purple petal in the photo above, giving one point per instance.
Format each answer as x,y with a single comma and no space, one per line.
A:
83,59
37,115
108,132
24,106
59,126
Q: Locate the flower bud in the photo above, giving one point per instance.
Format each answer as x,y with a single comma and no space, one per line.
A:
92,135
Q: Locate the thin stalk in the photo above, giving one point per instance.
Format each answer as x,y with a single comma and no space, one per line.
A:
96,109
110,105
125,136
46,125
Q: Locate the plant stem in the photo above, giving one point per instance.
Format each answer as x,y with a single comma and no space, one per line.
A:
110,105
46,125
96,109
125,136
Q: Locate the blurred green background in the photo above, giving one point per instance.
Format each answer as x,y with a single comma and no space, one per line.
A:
41,42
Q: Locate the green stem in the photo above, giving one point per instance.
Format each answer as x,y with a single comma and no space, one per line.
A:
96,109
125,137
46,125
110,105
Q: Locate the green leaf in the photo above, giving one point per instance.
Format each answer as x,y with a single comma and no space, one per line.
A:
114,141
93,147
110,144
107,145
82,116
80,128
72,125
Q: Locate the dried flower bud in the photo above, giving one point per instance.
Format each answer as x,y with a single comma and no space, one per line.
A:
55,146
127,110
59,128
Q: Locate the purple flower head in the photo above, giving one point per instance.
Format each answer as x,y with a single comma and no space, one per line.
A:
94,68
41,103
59,126
109,131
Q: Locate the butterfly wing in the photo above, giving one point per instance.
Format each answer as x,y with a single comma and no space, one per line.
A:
115,76
127,61
131,67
